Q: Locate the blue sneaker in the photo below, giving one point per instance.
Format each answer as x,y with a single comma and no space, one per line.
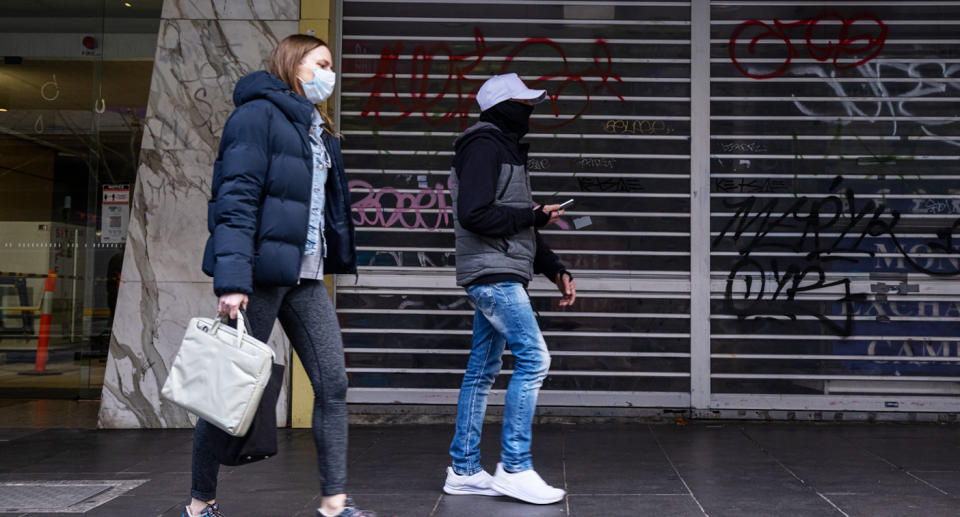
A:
212,510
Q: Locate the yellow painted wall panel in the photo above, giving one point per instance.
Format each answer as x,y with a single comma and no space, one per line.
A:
301,392
320,27
315,15
313,9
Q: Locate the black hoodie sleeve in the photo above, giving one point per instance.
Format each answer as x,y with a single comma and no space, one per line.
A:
478,171
546,261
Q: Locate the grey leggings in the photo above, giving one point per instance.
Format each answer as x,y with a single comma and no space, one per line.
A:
309,320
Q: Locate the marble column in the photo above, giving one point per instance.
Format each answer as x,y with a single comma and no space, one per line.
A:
203,48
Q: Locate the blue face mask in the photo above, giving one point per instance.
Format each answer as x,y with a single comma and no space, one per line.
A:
320,88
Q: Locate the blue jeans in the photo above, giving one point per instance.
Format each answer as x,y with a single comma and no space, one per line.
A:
503,315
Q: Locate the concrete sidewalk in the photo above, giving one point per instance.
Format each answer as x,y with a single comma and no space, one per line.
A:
717,469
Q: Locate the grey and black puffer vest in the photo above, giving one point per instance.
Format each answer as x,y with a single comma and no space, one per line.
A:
480,255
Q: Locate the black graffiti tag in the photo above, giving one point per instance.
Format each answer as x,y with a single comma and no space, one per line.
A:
751,228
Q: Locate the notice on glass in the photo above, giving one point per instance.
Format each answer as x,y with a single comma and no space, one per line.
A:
114,214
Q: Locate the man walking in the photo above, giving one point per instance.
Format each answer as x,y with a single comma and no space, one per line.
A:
498,252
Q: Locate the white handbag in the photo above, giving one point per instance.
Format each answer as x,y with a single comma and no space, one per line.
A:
219,374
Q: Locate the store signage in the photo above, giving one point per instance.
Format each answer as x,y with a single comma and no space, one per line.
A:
115,214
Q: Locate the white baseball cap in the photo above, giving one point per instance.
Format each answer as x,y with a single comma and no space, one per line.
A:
504,87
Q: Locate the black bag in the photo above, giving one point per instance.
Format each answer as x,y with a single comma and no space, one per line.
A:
260,442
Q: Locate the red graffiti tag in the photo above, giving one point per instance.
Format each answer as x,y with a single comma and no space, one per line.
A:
406,210
864,45
389,93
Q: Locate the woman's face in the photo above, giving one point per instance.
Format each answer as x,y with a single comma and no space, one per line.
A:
319,57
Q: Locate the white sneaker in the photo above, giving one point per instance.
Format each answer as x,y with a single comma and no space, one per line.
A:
526,486
477,484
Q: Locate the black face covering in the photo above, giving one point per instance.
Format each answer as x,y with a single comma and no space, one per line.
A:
510,116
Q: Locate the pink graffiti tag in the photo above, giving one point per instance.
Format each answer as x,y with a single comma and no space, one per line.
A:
407,205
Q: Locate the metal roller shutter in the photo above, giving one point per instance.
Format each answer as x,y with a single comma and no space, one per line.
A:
834,166
616,139
806,263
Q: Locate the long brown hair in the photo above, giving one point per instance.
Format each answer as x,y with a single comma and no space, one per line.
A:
286,59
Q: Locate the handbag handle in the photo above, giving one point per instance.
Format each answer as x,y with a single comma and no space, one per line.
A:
242,326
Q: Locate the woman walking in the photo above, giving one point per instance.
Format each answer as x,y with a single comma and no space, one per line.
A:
279,218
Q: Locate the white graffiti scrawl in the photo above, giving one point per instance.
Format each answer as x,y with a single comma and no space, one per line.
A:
932,79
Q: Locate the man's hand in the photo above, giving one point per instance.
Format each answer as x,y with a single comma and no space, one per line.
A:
231,303
552,211
567,288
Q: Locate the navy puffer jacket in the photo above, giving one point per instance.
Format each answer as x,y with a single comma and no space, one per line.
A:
260,201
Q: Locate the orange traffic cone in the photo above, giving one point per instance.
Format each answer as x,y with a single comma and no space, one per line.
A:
46,316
